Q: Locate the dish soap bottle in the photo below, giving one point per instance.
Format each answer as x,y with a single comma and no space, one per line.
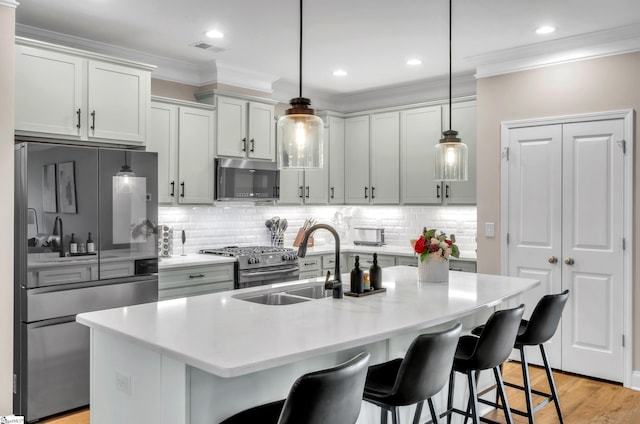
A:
357,278
73,245
375,274
91,247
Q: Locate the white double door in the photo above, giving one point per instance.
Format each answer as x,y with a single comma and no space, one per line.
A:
566,228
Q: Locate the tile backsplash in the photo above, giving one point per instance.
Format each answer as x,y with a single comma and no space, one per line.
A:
230,224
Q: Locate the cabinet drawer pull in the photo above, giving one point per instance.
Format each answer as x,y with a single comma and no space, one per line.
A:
373,193
438,191
307,192
332,192
196,276
173,188
309,263
252,145
182,189
78,125
244,144
93,120
446,191
301,192
366,192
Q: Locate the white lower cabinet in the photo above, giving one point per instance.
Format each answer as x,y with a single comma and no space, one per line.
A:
182,134
310,267
194,280
366,260
454,264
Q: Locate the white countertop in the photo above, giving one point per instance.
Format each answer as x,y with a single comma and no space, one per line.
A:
192,259
230,337
381,250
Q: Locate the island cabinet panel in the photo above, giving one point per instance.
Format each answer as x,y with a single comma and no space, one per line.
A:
194,280
182,135
366,260
69,94
454,264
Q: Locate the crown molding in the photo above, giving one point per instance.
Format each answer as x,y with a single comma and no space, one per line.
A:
625,39
9,3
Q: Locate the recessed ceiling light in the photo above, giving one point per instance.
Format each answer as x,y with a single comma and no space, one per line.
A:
545,29
214,33
414,62
340,73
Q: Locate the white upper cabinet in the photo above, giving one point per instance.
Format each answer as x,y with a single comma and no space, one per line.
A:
182,134
421,130
245,126
372,159
70,94
335,140
356,160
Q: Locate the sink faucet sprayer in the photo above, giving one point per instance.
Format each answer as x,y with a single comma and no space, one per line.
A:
336,284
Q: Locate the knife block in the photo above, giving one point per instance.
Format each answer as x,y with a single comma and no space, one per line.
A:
299,237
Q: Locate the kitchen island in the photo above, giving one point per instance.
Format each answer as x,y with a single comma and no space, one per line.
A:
200,359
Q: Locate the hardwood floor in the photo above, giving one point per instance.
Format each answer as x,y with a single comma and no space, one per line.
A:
583,401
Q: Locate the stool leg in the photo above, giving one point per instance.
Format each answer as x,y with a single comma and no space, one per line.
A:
416,417
505,402
383,416
395,416
452,378
434,417
527,384
473,396
552,383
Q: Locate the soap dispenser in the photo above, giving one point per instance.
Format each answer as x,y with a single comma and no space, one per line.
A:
375,274
357,278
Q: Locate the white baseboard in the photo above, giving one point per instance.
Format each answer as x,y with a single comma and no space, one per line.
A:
635,380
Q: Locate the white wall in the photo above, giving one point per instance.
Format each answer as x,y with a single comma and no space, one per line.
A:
214,226
7,34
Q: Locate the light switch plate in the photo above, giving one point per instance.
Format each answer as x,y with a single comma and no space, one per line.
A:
489,229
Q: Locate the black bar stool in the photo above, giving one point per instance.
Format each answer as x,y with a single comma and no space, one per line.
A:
333,395
542,325
417,377
488,351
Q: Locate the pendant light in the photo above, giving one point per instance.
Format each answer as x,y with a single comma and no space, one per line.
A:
450,153
123,177
300,130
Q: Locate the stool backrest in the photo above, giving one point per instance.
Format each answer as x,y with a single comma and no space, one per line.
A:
497,338
544,319
333,395
426,366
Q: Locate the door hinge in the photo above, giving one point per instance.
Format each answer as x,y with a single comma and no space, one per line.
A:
505,153
507,238
623,144
624,244
15,384
623,340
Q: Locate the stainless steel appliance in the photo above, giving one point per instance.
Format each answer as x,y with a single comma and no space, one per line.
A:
368,236
260,265
243,180
61,270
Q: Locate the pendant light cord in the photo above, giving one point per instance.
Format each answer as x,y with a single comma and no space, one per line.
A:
300,55
450,68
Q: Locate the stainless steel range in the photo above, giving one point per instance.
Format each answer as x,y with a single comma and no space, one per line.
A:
260,265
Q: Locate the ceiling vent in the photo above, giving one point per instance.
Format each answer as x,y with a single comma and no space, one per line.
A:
207,46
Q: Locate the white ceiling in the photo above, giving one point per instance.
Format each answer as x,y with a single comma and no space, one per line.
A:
370,39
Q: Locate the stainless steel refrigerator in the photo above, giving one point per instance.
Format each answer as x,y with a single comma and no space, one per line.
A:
85,239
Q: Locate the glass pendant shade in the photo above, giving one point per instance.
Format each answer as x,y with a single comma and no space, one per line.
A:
300,137
451,158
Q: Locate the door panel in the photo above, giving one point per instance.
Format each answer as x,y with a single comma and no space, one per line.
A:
535,218
592,237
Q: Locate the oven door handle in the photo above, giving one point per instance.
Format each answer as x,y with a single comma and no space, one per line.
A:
261,273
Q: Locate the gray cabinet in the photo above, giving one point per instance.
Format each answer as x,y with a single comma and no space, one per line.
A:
194,280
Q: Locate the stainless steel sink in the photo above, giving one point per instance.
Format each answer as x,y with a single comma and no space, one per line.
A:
275,299
312,292
303,293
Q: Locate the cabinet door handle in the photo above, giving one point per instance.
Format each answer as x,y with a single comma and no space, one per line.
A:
438,191
307,192
173,188
569,261
93,120
300,192
197,276
366,192
446,191
278,191
78,125
182,189
332,192
252,145
373,192
552,260
244,144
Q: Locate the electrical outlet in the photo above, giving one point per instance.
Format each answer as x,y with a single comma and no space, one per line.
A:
123,383
489,229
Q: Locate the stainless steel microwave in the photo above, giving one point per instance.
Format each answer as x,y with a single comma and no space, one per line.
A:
243,180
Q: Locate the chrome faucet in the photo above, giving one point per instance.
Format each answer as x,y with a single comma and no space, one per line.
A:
336,284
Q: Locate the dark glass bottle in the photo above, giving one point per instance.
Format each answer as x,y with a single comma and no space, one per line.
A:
375,274
357,278
91,247
73,245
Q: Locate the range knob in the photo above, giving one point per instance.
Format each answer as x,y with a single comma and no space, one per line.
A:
257,260
251,260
